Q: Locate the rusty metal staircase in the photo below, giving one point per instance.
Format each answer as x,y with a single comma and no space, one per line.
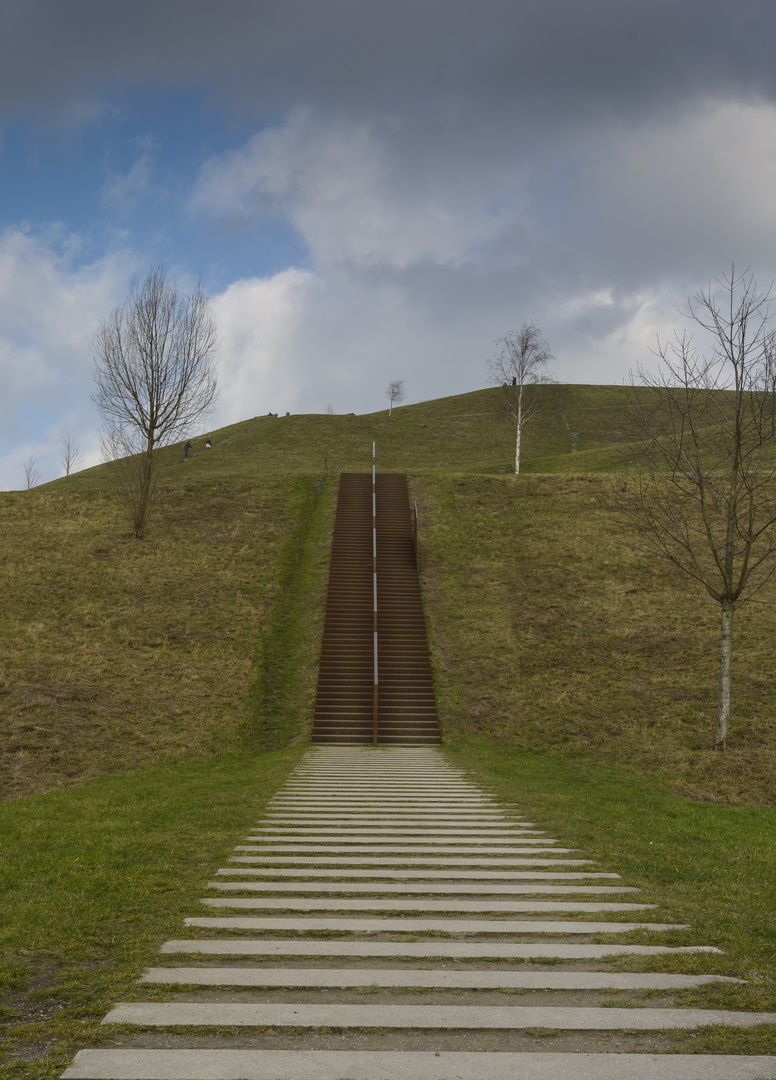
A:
374,680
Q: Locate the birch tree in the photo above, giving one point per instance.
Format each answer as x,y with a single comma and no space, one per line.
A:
154,374
703,495
520,367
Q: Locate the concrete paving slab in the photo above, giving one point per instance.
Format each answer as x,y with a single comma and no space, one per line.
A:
410,793
338,903
377,795
420,875
435,837
407,849
398,770
404,787
475,1017
301,978
342,833
383,798
409,788
379,802
384,888
417,771
401,815
339,781
472,831
428,820
445,926
375,791
405,1065
366,805
432,949
392,821
328,860
489,821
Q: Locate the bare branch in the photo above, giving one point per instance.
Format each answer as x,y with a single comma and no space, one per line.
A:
69,453
395,393
702,488
31,473
154,374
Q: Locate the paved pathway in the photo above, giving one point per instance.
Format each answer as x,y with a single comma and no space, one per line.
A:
395,922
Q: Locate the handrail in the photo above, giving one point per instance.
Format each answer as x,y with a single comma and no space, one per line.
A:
415,535
375,690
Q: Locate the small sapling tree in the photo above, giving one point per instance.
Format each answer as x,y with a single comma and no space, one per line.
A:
703,491
395,393
31,473
69,453
520,368
154,374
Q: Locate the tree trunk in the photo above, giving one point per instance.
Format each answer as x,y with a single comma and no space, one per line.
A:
519,429
726,653
144,492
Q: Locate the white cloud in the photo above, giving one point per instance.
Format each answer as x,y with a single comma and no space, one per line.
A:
49,307
299,340
693,190
420,257
259,322
354,197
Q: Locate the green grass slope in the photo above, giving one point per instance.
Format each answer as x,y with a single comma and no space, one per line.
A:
204,637
154,693
465,433
118,653
547,630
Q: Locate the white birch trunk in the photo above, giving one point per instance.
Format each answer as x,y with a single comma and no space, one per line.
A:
726,654
519,429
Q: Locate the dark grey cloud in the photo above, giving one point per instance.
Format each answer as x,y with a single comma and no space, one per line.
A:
534,61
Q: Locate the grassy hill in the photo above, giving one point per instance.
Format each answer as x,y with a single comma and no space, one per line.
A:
547,630
573,675
465,433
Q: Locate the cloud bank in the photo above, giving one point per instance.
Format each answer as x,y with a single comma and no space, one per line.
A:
448,171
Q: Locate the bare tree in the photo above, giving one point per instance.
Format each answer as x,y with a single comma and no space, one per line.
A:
395,393
520,368
31,473
69,453
703,495
154,373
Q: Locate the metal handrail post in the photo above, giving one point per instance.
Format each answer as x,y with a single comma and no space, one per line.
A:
375,691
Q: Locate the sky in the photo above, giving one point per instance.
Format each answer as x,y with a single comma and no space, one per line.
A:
371,189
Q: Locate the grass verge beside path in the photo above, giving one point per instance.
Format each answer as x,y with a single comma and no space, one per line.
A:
548,632
283,692
95,878
713,867
118,653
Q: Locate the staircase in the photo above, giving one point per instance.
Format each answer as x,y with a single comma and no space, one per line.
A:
345,704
